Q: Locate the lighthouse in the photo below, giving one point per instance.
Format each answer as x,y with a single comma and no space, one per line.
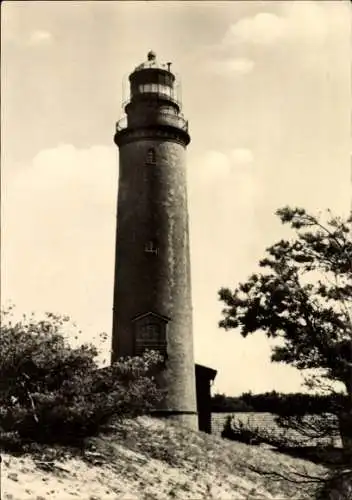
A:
152,287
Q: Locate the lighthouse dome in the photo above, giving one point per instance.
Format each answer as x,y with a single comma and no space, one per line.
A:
151,62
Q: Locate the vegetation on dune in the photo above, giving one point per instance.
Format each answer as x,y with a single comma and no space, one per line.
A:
55,393
144,458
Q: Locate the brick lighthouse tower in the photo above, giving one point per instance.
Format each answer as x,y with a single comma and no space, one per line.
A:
152,293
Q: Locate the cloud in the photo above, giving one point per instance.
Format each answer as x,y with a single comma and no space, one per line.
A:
219,166
213,166
241,156
219,185
39,37
231,66
305,21
59,171
263,28
59,218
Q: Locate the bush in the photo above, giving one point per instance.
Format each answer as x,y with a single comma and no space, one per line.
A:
240,432
246,432
51,392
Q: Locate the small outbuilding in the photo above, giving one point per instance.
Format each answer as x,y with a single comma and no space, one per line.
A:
204,379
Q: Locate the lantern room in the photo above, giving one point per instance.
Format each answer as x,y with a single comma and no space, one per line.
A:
154,98
154,80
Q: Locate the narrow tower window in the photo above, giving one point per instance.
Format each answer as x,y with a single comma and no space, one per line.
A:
151,156
151,247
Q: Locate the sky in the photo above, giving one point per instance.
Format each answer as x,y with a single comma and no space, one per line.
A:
266,87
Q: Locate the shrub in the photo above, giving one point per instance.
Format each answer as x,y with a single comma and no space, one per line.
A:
246,432
52,392
239,432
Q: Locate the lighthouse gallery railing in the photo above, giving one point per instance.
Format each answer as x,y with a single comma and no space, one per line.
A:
160,117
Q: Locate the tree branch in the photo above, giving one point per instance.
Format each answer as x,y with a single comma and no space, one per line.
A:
277,475
30,397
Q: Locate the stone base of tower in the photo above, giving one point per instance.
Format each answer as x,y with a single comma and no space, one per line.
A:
184,418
